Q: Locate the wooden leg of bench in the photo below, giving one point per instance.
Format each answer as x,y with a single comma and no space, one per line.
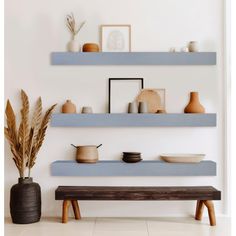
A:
199,210
211,212
65,207
76,210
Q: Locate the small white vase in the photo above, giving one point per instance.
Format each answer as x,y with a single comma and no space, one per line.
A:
193,46
73,46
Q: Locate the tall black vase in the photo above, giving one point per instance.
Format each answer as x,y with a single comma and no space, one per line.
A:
25,202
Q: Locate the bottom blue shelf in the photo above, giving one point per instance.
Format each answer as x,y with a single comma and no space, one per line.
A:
143,168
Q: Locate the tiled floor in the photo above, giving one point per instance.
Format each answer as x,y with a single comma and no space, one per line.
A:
120,227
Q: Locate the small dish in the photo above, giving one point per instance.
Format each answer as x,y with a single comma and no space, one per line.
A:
132,153
131,160
182,158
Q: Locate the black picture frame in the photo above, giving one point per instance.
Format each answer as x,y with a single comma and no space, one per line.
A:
117,79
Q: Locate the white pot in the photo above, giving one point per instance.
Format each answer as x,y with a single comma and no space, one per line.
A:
73,46
193,46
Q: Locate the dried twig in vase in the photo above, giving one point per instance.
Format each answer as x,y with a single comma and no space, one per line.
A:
72,26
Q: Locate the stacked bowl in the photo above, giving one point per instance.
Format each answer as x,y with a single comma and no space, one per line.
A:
131,157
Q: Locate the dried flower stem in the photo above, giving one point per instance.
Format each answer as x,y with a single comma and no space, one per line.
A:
26,142
72,26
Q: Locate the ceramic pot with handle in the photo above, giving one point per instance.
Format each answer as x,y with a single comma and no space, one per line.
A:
87,154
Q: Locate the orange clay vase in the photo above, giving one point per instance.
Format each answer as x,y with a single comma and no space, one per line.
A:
194,105
68,107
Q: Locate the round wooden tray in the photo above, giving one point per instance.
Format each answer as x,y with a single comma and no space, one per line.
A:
152,98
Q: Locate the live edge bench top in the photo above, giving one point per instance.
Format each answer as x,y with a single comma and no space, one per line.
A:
137,193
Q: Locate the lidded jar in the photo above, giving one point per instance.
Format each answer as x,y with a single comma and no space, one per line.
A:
68,107
194,105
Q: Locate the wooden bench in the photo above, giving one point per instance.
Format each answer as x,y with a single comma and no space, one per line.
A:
203,194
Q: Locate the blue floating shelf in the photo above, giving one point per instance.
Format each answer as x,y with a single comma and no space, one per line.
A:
133,120
143,168
133,58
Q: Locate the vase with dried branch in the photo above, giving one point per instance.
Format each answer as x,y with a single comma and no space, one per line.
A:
25,142
74,28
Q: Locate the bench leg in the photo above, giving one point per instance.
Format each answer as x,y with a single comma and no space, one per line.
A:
199,210
65,207
211,212
76,210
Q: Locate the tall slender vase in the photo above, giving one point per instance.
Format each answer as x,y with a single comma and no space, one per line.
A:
194,106
25,202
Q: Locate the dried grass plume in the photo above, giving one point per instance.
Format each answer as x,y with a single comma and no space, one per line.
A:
72,26
26,141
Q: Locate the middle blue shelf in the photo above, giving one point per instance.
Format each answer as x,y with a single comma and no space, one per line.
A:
133,120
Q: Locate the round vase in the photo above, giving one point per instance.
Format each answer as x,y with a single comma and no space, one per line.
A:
193,46
68,107
73,46
25,201
194,106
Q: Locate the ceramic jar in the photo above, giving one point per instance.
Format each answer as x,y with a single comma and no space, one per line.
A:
133,107
73,46
193,46
68,107
87,110
90,47
194,106
143,107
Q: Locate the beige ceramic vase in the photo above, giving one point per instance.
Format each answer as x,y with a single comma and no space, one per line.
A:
68,107
194,105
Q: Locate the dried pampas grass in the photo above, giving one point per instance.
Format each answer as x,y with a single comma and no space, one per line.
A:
72,26
28,139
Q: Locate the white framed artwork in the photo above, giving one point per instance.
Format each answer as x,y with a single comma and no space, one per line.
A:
116,38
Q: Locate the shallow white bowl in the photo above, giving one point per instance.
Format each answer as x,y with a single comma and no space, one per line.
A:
182,158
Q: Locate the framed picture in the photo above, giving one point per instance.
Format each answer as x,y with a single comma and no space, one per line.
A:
116,38
121,92
154,97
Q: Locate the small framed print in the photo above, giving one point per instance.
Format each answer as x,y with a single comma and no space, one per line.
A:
116,38
121,92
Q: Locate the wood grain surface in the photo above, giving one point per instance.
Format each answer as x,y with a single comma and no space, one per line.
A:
137,193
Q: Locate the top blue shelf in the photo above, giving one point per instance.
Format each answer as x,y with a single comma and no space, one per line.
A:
133,58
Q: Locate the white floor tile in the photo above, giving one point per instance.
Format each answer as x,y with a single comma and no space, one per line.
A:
120,233
120,224
187,227
120,227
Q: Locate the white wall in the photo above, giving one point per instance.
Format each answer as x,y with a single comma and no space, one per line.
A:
34,29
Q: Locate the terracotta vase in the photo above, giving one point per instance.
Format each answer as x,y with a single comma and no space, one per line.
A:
194,106
68,107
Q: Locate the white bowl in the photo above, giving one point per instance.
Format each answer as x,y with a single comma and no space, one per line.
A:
182,158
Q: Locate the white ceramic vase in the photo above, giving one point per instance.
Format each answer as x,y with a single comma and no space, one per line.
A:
73,46
193,46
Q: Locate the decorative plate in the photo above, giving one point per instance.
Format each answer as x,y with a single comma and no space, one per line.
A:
153,99
182,158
